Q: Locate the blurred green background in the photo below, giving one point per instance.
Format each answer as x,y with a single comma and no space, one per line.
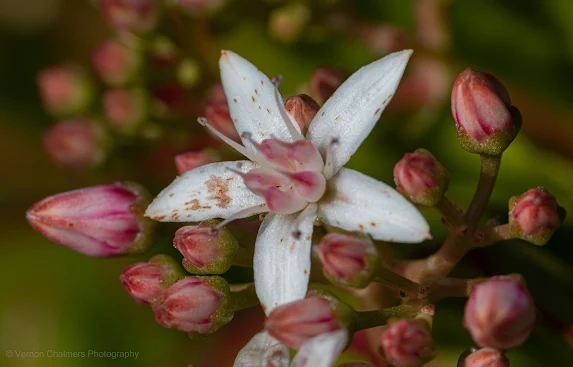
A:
55,299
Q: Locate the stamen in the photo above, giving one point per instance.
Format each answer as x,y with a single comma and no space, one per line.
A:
290,122
257,209
329,161
277,80
308,211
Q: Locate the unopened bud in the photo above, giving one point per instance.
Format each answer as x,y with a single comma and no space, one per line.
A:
125,109
348,260
534,216
116,63
499,313
78,143
97,221
287,23
137,16
196,305
217,113
485,357
205,248
486,121
408,343
303,109
421,178
199,6
65,90
147,281
295,323
191,160
324,81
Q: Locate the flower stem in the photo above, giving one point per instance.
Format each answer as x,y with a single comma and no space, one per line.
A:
451,214
369,319
244,258
489,170
244,298
406,287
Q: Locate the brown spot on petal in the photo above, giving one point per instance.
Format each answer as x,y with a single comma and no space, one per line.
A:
292,246
305,271
361,226
373,224
159,217
218,190
171,195
376,112
239,165
195,205
235,100
253,98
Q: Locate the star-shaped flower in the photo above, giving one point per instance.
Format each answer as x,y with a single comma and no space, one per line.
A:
296,179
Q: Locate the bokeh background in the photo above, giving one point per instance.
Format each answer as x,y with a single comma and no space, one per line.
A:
55,299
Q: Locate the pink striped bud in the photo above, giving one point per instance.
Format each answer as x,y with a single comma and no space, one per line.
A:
196,305
324,81
408,343
294,323
137,16
485,357
116,63
191,160
206,249
303,109
97,221
78,143
499,313
125,109
486,121
534,216
65,90
348,260
217,113
146,282
421,178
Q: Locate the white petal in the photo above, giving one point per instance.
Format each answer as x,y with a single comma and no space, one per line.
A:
252,100
322,350
282,263
263,351
206,192
352,111
358,203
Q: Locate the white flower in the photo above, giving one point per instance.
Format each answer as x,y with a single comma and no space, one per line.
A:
296,179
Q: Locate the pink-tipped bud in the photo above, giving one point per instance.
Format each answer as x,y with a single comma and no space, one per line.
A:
196,305
348,260
200,6
116,63
205,248
97,221
303,109
191,160
78,143
147,281
535,216
486,121
125,109
485,357
324,81
421,178
294,323
137,16
408,343
217,112
65,90
287,23
499,313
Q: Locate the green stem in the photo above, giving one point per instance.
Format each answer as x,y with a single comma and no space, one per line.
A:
491,235
451,214
369,319
406,287
244,258
245,298
489,170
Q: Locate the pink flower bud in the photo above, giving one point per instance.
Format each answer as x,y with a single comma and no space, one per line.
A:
499,313
485,357
486,121
200,6
303,109
125,109
76,143
195,305
97,221
116,63
348,260
218,115
535,216
407,343
206,249
294,323
421,178
190,160
324,81
146,282
65,90
137,16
